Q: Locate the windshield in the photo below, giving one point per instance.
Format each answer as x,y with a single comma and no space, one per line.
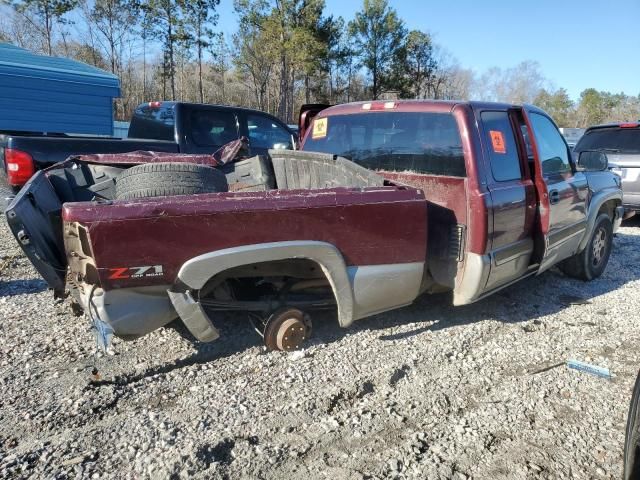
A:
392,141
623,140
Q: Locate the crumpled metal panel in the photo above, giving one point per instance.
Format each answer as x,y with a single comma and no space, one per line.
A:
228,153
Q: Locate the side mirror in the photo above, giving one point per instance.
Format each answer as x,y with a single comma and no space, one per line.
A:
592,161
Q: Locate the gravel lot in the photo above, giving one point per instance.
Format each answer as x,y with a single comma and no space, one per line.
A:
429,391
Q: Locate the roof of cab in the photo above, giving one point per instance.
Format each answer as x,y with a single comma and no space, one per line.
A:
615,125
441,106
172,103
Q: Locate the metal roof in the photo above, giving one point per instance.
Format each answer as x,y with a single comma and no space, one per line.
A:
16,59
52,94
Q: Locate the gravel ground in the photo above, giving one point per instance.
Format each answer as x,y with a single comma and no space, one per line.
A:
429,391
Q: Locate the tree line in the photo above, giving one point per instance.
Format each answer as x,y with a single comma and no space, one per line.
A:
283,54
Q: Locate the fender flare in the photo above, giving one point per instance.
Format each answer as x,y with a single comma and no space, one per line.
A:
597,201
195,272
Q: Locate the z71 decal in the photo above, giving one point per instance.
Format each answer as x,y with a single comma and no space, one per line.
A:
123,273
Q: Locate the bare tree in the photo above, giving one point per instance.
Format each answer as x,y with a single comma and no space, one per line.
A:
519,84
44,16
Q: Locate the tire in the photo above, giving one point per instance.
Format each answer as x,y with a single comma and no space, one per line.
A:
591,262
168,178
632,436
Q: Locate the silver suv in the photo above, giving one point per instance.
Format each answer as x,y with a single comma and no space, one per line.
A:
621,143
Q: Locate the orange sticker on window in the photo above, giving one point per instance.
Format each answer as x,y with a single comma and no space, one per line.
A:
319,128
497,141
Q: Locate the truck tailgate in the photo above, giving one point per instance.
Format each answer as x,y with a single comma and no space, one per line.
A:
34,218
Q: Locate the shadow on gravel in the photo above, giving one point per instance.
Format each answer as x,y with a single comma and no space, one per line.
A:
21,287
235,336
530,299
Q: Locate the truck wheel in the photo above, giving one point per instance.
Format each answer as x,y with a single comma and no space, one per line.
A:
591,262
632,437
168,178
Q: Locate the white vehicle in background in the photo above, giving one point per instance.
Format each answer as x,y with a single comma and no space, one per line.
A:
572,135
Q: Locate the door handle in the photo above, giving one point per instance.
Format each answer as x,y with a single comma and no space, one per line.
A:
554,196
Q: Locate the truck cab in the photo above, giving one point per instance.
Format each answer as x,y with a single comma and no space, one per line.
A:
199,128
505,198
171,127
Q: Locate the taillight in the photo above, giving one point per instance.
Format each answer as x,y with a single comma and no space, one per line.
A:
629,125
379,106
20,166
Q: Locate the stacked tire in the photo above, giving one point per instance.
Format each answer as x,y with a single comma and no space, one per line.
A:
168,178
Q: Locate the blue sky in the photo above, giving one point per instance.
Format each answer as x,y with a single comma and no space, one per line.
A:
579,44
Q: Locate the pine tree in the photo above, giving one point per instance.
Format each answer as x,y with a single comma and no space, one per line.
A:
378,35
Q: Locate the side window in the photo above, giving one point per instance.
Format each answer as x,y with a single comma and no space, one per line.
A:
552,149
213,128
265,133
503,151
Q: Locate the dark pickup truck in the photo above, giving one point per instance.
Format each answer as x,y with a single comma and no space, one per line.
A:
156,126
387,201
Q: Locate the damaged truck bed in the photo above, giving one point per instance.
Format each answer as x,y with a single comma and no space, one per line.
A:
420,205
247,250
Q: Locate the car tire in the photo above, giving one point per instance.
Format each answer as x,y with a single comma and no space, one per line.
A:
632,436
168,178
591,262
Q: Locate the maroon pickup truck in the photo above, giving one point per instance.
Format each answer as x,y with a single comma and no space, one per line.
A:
386,201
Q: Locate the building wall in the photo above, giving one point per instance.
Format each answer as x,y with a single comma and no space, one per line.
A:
46,94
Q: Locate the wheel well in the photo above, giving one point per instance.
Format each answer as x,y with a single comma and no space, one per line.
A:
263,279
609,207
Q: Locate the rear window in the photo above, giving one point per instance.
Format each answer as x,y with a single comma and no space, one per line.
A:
392,141
624,140
156,123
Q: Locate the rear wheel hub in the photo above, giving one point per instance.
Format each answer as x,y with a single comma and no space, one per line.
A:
287,329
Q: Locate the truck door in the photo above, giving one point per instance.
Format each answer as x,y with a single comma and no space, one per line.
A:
513,197
562,191
265,132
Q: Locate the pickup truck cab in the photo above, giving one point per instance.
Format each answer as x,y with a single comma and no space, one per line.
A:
174,127
386,201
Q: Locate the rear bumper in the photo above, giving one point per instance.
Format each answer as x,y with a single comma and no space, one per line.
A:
130,312
630,187
631,201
